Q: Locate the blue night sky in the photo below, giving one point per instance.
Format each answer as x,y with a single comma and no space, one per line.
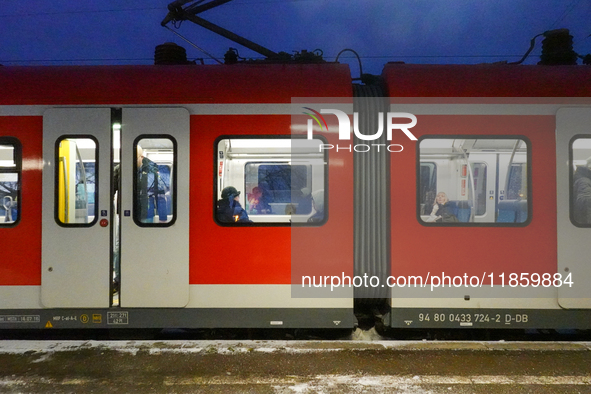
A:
57,32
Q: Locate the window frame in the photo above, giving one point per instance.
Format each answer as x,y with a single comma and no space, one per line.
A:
18,159
477,137
173,180
56,179
267,224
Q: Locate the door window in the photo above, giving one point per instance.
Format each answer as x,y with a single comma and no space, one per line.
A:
154,185
76,160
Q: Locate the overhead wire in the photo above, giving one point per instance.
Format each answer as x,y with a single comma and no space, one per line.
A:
195,46
565,13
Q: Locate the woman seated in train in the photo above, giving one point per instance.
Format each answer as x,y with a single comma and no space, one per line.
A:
442,211
229,209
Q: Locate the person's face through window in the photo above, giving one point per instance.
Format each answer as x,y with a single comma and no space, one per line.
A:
441,198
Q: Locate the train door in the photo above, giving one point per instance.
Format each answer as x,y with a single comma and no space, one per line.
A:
573,172
154,240
76,195
83,232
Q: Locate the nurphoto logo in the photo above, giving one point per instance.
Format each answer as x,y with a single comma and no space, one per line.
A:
345,129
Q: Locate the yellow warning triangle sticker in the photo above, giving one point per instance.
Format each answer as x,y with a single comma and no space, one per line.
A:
49,325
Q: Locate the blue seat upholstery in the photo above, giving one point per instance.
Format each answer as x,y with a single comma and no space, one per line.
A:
464,211
506,216
514,211
453,206
461,209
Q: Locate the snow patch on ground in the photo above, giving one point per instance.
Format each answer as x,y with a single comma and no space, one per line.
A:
361,340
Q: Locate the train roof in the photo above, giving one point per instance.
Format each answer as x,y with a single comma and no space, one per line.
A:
487,80
277,83
73,85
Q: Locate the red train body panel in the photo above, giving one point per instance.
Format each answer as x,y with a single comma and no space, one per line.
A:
21,261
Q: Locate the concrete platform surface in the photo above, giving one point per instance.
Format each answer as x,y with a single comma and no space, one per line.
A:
185,366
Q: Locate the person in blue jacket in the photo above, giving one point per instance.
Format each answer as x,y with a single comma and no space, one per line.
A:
229,209
150,192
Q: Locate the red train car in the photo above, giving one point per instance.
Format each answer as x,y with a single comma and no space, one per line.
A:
113,181
504,143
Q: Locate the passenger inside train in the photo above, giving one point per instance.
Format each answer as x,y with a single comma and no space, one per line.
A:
258,201
442,211
229,209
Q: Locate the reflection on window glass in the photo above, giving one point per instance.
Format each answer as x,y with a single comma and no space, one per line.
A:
473,180
581,182
270,181
9,183
154,181
76,181
278,189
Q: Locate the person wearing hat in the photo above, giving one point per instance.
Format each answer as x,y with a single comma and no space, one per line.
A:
229,209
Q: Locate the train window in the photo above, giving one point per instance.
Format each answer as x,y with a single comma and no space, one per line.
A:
580,169
473,180
76,181
154,181
10,178
273,180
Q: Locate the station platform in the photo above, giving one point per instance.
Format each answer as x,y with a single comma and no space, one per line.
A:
257,366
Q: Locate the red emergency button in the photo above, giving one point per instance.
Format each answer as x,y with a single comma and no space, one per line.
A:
104,222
